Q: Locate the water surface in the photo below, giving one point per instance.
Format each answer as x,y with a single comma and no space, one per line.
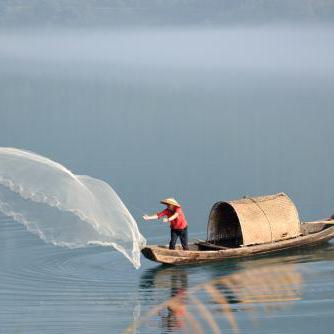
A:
199,114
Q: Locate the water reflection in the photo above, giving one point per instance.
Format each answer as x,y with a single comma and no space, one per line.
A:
175,282
212,306
216,297
173,318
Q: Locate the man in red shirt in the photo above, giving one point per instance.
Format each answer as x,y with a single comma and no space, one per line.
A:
178,224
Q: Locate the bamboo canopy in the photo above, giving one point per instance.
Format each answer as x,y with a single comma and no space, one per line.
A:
250,221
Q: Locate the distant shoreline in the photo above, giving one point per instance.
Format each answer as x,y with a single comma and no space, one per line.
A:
86,13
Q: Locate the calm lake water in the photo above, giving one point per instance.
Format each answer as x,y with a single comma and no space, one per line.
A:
202,115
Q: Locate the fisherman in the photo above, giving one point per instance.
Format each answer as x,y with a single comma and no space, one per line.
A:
178,224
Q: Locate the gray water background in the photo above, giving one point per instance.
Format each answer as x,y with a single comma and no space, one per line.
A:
202,114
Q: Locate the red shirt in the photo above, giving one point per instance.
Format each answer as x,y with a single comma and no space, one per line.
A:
179,223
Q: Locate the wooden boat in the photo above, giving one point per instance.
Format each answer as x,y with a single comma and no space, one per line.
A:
247,227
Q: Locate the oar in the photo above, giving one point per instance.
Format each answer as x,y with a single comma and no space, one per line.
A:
324,222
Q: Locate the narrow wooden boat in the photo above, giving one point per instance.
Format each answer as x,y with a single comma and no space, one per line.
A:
205,252
247,227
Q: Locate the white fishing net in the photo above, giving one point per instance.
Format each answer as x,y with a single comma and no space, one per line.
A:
63,208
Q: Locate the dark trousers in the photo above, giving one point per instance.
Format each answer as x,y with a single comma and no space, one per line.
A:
183,234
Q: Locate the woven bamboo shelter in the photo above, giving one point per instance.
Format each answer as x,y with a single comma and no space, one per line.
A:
251,221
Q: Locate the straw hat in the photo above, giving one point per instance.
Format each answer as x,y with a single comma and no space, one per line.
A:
170,201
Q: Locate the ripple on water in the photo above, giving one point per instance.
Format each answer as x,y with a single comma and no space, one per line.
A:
45,288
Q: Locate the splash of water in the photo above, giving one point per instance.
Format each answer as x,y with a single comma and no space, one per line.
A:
63,208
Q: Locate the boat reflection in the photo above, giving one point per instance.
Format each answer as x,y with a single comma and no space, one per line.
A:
217,297
211,306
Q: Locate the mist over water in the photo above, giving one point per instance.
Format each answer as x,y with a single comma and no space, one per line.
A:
304,48
240,110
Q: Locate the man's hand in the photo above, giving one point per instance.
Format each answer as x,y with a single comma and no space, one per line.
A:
165,220
152,217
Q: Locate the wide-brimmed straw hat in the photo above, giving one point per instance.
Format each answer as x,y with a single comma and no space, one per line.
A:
170,201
